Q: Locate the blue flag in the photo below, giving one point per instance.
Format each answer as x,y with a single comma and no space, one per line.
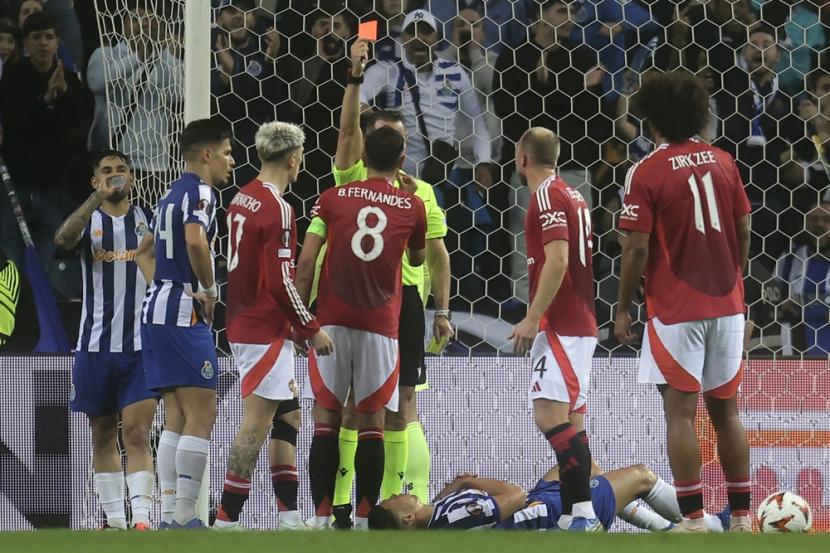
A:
52,334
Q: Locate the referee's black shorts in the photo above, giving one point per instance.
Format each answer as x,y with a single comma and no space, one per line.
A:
411,338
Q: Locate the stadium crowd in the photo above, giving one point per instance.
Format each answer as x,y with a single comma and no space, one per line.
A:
499,67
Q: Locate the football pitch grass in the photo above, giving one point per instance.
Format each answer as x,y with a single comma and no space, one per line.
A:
59,541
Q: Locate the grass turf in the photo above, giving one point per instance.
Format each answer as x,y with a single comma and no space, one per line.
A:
54,541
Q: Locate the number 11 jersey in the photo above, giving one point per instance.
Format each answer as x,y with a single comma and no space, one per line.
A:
368,226
688,196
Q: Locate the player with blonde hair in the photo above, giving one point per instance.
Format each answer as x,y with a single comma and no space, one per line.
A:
265,313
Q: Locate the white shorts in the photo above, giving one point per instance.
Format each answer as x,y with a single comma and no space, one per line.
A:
365,361
694,356
561,368
266,370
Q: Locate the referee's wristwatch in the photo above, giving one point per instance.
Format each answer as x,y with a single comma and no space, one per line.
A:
446,313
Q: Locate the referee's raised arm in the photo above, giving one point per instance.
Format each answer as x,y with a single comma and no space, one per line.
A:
350,137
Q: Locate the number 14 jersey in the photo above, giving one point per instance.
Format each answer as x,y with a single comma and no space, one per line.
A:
559,212
368,226
688,196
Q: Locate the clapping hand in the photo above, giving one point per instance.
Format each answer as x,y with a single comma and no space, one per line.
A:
224,58
57,83
272,42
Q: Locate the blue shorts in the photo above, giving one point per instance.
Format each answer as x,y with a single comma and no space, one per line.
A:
103,383
544,506
179,356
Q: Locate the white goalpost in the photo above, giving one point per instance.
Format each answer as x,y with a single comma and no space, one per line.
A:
197,53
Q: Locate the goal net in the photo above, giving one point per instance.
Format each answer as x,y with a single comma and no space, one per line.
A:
572,66
143,78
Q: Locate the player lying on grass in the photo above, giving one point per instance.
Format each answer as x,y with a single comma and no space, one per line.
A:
470,503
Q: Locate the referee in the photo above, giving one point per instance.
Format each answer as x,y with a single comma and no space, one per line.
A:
406,448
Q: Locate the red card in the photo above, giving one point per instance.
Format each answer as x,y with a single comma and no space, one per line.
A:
368,30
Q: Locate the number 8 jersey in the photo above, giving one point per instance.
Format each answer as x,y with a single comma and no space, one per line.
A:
168,302
368,226
558,212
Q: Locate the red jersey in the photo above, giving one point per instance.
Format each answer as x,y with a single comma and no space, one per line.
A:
369,224
558,212
262,303
688,197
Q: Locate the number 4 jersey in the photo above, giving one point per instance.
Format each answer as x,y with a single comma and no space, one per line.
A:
558,212
369,224
688,196
189,201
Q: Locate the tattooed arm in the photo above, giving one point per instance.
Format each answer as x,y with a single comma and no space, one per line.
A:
69,233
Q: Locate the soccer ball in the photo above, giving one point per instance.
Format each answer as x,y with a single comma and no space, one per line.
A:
784,512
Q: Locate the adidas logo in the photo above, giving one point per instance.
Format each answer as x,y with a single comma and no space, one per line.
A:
343,471
536,387
401,475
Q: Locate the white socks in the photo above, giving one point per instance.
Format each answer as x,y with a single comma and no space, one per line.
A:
584,509
166,462
140,486
663,499
191,459
635,514
110,489
361,523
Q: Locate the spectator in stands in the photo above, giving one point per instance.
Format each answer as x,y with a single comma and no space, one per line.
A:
441,89
507,20
42,106
717,27
467,47
800,35
389,14
318,96
137,84
613,29
563,95
9,42
757,121
468,31
27,8
69,27
804,274
249,83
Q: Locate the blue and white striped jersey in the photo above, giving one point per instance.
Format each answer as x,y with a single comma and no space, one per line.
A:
465,510
189,200
113,285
